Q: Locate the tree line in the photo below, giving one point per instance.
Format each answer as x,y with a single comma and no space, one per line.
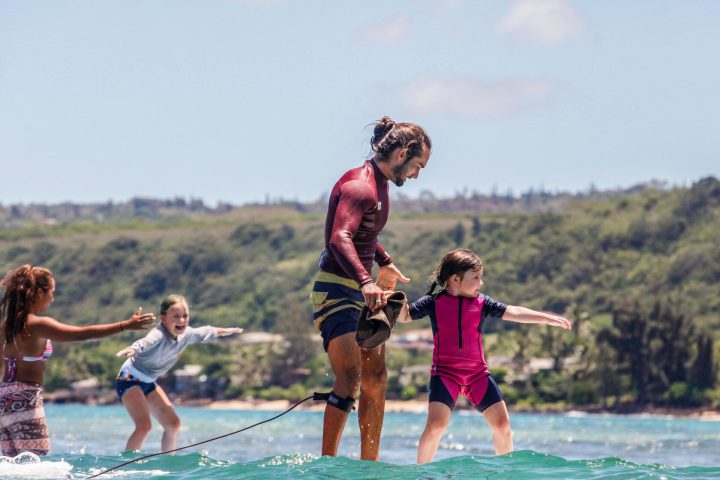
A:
638,273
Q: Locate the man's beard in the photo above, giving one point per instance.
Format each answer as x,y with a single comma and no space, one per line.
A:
399,173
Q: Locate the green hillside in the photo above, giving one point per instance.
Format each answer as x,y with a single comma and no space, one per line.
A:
639,274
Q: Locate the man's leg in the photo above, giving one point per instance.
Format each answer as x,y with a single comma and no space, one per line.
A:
344,355
373,384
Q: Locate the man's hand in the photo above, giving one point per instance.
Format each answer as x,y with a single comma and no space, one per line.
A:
388,277
374,296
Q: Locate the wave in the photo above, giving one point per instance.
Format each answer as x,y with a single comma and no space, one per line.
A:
29,465
519,465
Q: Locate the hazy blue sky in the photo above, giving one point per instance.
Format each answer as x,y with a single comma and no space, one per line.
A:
236,100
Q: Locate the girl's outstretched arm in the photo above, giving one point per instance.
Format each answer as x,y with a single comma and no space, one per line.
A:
224,332
126,352
517,314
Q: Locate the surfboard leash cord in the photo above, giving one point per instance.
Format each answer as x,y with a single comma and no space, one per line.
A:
314,396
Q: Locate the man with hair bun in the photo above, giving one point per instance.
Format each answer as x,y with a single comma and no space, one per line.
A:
357,212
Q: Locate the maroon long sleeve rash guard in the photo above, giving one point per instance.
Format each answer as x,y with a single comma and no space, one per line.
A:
357,212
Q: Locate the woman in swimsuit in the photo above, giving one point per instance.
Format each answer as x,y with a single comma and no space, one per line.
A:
26,337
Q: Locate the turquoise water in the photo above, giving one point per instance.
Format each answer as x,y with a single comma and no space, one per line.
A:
87,439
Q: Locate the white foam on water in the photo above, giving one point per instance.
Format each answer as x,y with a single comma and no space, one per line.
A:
576,414
28,465
120,473
291,460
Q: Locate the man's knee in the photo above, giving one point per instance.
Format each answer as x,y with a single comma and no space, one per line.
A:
348,380
374,375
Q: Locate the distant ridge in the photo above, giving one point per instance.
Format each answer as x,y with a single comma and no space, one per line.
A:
17,215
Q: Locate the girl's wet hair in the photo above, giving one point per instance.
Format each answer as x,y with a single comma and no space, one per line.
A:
169,301
389,135
22,289
456,262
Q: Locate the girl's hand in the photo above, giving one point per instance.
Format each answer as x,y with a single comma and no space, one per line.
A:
224,332
404,316
126,352
139,320
558,321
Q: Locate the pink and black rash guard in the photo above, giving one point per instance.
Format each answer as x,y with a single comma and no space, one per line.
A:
457,333
357,212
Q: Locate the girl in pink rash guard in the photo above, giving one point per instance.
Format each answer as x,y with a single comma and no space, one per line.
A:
457,314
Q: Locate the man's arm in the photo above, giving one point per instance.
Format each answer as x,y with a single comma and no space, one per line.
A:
356,198
381,256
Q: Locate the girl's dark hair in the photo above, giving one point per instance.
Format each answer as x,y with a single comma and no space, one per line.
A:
456,262
22,288
389,135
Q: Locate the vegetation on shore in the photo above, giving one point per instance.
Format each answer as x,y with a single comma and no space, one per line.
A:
638,272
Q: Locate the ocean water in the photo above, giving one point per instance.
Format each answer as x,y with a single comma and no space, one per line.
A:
88,439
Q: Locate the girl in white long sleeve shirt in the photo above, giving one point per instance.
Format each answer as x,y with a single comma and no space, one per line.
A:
153,356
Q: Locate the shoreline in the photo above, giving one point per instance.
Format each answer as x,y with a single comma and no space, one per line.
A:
420,406
391,406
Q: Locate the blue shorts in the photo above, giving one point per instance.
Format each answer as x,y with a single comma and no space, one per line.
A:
340,323
336,303
122,386
482,394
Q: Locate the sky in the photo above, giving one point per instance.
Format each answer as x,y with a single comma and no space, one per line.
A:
247,100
